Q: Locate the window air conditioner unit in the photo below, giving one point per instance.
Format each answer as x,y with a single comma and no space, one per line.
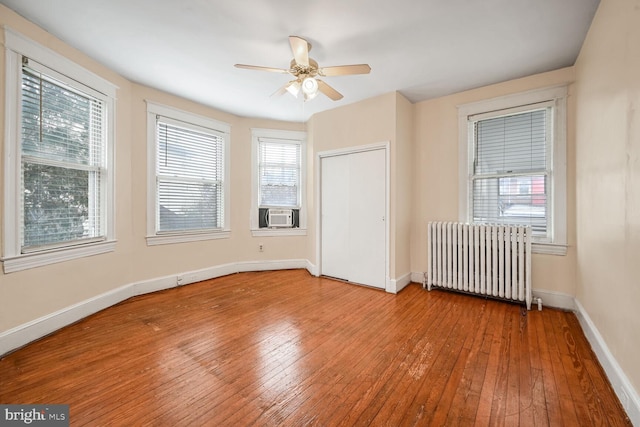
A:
280,218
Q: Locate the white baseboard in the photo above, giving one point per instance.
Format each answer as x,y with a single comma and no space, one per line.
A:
620,382
554,299
417,277
313,269
21,335
549,298
153,285
271,265
396,285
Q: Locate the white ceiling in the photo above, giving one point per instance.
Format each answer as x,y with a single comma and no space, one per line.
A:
421,48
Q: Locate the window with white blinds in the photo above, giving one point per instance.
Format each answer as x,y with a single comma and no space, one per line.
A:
57,162
511,169
279,169
189,177
63,161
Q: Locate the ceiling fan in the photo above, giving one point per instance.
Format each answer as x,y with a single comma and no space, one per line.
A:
306,70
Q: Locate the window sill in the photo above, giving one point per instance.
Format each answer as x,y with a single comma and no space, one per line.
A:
266,232
39,259
166,239
548,249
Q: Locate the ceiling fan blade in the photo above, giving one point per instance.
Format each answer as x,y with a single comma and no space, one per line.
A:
344,70
329,91
300,48
255,67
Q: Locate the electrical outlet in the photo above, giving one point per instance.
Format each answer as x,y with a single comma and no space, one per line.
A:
179,280
261,247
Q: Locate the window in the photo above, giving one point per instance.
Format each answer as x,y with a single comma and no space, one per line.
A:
510,170
278,178
188,176
62,162
279,173
516,165
58,185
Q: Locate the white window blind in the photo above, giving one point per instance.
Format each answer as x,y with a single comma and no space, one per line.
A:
279,173
511,170
63,162
189,177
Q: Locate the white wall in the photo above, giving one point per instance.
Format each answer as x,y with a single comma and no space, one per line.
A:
608,179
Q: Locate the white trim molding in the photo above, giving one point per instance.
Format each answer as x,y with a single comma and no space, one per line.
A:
554,299
213,126
549,298
51,63
39,259
619,381
396,285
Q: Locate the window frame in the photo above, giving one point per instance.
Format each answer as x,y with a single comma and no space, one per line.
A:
72,74
553,97
289,136
154,236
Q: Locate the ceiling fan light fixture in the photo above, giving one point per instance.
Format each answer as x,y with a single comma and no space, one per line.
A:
305,69
310,87
294,89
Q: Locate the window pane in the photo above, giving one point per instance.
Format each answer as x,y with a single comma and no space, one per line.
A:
190,178
57,205
62,163
58,123
511,200
511,144
279,187
188,153
189,206
279,174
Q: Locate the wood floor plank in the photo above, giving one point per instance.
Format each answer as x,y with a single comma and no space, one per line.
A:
568,409
380,377
483,414
378,384
467,394
286,348
480,363
536,362
525,373
397,390
432,386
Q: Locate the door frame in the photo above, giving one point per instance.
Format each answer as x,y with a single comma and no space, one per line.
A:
318,192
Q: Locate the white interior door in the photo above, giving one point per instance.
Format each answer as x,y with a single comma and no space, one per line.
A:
353,201
335,219
367,197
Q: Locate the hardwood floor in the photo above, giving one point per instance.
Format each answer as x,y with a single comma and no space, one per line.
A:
286,348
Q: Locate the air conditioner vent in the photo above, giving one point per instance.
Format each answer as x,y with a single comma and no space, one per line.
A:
280,218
